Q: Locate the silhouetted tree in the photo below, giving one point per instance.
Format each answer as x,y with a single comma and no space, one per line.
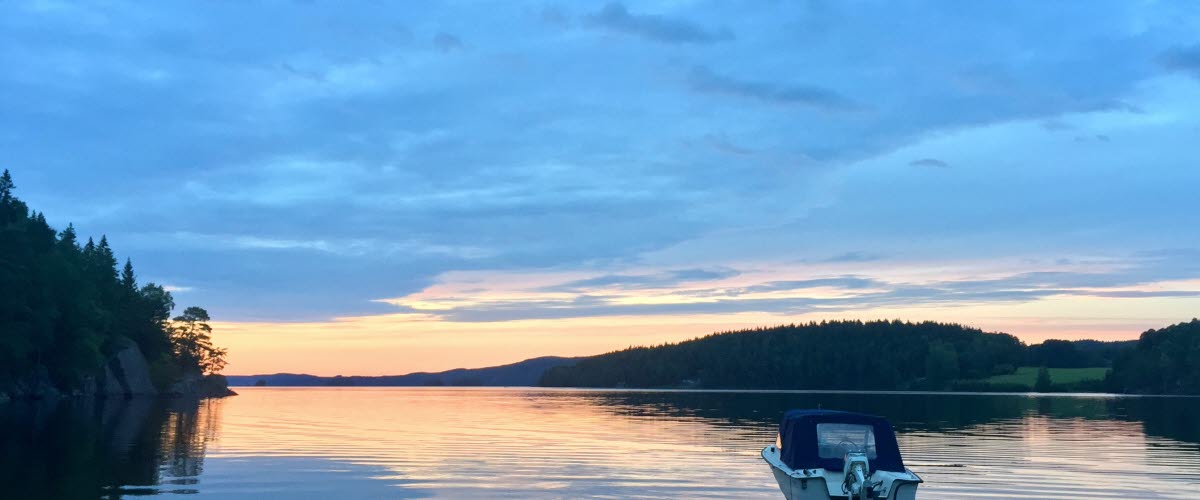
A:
128,281
1043,383
192,341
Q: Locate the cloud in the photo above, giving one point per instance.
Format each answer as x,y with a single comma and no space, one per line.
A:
615,17
1095,137
642,281
724,145
226,155
446,42
1055,124
894,295
855,256
929,162
842,282
702,79
1182,58
603,295
554,16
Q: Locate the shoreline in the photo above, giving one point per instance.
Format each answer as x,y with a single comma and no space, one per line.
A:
1080,395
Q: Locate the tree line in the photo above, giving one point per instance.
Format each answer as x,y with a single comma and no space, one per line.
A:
66,307
1163,361
885,355
879,355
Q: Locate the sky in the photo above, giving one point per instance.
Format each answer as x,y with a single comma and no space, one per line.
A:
385,187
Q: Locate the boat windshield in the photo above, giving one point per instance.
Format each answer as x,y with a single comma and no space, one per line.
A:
836,440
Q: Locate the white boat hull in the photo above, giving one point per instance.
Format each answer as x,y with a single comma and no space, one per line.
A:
820,484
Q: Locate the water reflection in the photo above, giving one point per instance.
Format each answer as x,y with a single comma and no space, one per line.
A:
1172,418
533,443
102,449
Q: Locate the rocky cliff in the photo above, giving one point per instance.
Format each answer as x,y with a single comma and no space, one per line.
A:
126,375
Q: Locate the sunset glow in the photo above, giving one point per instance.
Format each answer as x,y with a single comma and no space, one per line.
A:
424,189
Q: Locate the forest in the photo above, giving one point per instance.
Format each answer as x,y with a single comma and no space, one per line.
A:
880,355
1163,361
66,308
889,355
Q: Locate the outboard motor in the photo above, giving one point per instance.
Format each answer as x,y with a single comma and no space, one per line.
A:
856,472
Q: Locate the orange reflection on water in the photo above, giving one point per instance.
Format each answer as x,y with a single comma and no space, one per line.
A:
455,440
527,443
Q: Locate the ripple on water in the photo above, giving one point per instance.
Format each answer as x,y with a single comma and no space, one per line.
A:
532,443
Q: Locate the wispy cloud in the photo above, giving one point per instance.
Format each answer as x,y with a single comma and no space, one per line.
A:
1184,58
929,162
685,292
615,17
1055,125
642,281
855,256
447,42
702,79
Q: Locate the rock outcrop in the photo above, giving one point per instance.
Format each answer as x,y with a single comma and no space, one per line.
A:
130,369
201,386
125,376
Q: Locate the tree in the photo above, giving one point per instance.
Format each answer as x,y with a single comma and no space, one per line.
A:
941,364
67,238
192,342
128,280
1043,383
6,187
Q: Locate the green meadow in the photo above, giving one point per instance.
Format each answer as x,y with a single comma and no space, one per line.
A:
1027,376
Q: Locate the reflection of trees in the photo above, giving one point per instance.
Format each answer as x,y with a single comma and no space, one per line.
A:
101,449
185,433
1173,418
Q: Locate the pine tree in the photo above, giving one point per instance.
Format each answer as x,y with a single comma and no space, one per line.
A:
128,280
193,342
106,262
6,187
67,237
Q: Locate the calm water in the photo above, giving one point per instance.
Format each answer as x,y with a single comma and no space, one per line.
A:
533,443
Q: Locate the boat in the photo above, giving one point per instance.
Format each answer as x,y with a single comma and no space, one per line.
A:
826,454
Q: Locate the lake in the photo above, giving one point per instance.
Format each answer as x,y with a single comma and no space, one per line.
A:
538,443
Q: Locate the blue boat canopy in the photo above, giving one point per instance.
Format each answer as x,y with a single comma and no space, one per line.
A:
820,439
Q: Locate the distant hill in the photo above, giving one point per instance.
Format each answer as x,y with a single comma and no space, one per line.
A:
873,355
879,355
895,355
523,373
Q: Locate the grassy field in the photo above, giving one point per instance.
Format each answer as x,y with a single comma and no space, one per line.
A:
1027,376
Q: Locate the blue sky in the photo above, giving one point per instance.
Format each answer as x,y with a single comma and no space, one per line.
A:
506,161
